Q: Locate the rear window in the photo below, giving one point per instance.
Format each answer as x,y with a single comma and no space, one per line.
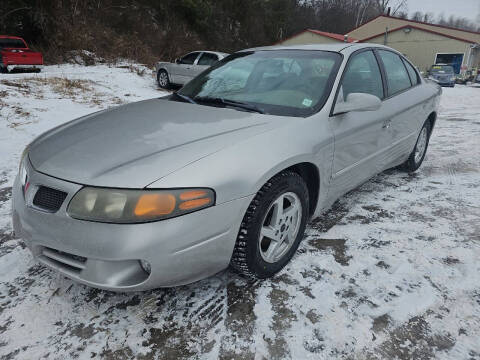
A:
208,59
11,43
412,73
397,75
442,69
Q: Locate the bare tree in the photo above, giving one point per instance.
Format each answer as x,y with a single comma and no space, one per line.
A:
395,6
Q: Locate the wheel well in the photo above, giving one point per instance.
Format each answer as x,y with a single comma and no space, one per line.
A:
309,173
432,118
161,69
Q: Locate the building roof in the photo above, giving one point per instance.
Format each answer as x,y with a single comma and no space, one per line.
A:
418,28
378,24
415,21
330,35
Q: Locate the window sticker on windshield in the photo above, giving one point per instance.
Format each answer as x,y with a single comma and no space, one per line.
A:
307,102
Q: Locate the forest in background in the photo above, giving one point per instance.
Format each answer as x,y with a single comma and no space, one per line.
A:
148,30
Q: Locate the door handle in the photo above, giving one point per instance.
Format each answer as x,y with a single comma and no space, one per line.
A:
386,124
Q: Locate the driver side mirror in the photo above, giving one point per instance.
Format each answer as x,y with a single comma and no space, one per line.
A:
358,102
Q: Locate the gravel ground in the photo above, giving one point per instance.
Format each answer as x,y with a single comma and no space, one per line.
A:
391,271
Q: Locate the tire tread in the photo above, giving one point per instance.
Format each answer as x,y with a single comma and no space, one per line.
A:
239,260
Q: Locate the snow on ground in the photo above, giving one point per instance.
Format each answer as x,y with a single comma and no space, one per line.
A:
391,271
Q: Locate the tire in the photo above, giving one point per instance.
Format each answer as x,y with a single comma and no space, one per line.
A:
163,80
251,256
415,159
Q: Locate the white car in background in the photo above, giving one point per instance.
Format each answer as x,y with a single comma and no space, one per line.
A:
184,69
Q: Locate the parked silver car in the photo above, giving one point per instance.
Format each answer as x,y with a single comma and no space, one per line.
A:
184,69
228,170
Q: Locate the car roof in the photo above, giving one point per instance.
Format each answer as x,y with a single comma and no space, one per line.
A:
210,52
336,47
10,37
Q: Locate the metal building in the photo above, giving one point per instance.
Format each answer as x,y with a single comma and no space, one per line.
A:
424,44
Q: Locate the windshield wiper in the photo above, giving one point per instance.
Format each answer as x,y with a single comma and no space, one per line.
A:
185,97
227,102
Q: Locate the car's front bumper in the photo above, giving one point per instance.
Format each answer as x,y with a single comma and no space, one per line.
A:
11,67
180,250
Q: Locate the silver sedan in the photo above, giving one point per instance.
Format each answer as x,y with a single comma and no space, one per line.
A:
184,69
225,172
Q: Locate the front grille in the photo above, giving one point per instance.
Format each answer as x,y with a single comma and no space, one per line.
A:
49,199
66,261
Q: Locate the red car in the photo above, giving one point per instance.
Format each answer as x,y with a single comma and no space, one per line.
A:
14,53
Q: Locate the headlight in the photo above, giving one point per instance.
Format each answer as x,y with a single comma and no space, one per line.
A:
22,172
137,206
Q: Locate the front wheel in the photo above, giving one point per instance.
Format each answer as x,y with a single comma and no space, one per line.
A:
272,227
418,154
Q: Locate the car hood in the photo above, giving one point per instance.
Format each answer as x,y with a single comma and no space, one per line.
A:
133,145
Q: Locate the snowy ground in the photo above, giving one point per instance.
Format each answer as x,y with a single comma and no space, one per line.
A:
391,271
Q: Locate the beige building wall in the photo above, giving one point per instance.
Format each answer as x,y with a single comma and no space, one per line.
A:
308,37
421,47
379,24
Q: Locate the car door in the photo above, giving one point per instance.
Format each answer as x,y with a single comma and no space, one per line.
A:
357,134
404,103
205,60
183,68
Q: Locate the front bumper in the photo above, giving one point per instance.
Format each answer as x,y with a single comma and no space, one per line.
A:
24,67
180,250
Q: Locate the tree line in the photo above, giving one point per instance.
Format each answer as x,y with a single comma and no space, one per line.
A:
148,30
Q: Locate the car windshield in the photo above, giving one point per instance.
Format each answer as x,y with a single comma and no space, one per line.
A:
442,69
11,43
278,82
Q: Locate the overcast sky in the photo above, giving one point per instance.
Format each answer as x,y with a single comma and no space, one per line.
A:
464,8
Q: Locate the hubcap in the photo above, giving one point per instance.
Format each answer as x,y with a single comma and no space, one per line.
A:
163,79
421,145
280,227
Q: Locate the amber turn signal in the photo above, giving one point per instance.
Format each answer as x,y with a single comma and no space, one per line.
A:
193,194
155,205
193,204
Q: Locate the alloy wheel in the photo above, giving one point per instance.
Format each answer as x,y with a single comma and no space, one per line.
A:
421,145
163,79
280,227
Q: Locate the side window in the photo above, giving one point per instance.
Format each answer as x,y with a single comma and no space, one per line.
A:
363,76
396,73
208,59
189,59
411,72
